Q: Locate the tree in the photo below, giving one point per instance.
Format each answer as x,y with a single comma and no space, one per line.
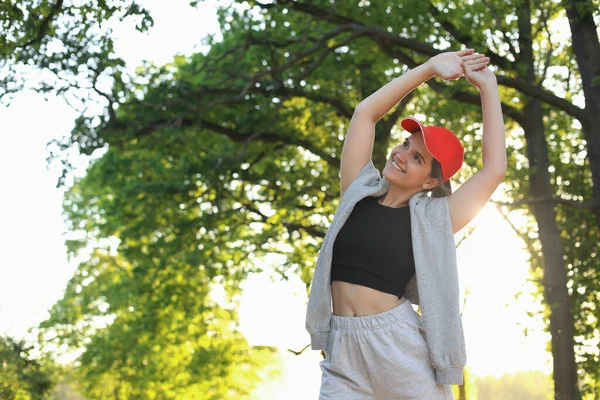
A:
586,47
71,42
521,67
144,318
241,147
22,377
292,68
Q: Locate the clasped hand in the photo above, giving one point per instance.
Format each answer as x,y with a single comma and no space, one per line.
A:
454,64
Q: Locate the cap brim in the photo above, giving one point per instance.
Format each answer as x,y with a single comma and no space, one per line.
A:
413,125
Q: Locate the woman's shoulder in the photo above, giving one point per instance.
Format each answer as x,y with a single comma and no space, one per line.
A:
425,205
367,178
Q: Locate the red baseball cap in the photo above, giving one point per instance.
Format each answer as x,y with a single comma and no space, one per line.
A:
443,145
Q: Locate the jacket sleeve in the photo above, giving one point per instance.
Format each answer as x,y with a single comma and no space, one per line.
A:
437,281
319,310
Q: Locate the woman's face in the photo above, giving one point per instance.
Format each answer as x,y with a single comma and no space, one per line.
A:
414,162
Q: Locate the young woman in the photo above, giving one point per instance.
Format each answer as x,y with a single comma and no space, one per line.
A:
391,245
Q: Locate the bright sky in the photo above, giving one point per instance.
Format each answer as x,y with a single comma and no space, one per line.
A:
35,271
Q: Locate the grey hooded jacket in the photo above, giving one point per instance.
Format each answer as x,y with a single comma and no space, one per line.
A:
434,286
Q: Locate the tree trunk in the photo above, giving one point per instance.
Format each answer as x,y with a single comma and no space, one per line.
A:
555,272
586,47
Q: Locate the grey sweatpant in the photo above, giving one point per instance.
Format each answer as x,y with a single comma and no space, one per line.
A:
381,356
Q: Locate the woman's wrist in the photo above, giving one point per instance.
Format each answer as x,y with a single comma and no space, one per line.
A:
429,68
487,87
421,74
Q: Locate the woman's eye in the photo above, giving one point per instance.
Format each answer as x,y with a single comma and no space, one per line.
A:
405,144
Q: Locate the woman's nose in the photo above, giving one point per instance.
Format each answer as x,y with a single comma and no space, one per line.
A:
401,157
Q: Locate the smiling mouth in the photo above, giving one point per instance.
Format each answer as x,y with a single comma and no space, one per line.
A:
397,166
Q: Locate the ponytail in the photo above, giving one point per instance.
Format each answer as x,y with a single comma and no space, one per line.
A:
445,188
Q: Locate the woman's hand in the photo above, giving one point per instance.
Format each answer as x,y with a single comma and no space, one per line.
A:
449,65
480,77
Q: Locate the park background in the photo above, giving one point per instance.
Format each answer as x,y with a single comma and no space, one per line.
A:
87,306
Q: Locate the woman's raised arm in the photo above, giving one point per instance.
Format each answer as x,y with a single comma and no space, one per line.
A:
358,144
472,195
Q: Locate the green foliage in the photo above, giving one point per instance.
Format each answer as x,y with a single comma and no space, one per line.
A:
142,311
210,164
21,376
70,40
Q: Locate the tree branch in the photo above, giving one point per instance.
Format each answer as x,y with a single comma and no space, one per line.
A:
264,137
500,23
528,88
309,229
391,119
532,90
524,87
321,42
514,113
326,52
243,46
297,353
343,109
544,22
467,39
44,25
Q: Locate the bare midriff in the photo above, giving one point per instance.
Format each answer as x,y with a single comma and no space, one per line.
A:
351,300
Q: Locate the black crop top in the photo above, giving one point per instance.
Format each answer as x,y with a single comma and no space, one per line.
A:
374,248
